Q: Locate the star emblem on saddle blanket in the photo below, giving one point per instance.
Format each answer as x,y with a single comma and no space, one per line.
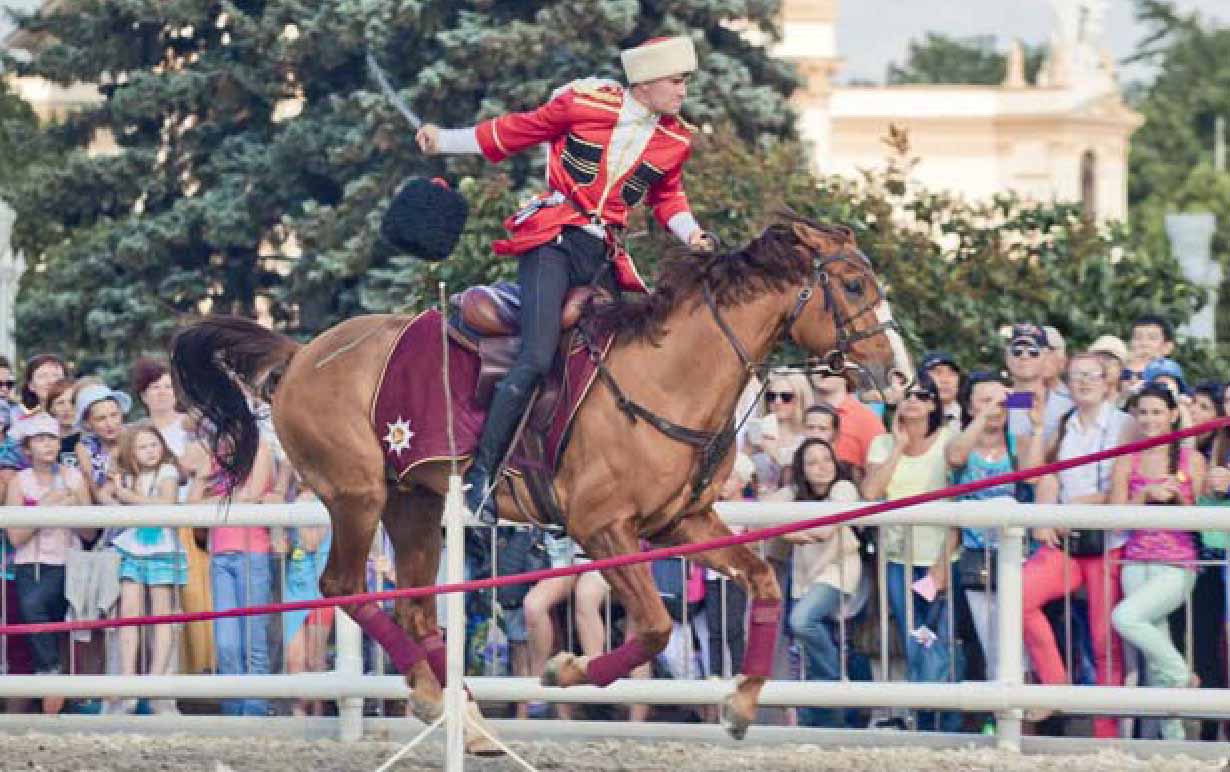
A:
398,438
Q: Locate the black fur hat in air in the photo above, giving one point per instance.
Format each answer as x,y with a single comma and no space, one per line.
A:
425,218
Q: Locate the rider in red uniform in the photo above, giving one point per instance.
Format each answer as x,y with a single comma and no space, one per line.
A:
611,148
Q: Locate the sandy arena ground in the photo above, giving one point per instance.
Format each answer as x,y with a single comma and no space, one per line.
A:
135,753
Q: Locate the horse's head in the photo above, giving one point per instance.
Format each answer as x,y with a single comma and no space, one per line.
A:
845,318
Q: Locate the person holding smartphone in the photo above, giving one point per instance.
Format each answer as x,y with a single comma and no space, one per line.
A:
1026,357
920,558
1064,564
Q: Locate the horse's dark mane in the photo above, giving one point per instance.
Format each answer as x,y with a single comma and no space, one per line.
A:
770,262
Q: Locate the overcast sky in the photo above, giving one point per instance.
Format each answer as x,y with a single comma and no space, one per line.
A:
873,33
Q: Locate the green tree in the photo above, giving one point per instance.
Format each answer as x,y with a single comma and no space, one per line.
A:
1171,164
940,58
18,128
254,157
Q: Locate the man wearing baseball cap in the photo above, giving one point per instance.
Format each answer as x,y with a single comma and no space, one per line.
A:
611,148
1024,357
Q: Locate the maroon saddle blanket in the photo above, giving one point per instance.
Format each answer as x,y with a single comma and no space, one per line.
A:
409,413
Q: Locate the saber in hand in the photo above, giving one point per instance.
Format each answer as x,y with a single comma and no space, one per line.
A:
390,93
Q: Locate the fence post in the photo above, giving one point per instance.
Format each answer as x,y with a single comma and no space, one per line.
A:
349,663
1011,632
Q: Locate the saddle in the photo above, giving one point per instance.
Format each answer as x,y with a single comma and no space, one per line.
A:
488,318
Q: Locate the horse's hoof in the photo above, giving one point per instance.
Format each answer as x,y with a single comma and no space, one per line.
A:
478,743
425,710
735,723
564,669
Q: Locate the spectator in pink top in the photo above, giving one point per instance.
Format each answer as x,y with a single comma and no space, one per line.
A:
41,552
1158,575
241,574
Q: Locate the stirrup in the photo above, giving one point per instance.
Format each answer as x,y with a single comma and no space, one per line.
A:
482,507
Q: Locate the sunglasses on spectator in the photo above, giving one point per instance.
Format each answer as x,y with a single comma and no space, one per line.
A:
1020,350
920,395
1132,375
7,384
785,397
1085,375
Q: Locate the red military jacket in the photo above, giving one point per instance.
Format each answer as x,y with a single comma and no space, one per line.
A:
578,124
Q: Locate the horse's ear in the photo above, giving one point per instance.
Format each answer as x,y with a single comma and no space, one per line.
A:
810,237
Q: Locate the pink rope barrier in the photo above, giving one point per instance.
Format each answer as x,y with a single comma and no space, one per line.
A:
760,534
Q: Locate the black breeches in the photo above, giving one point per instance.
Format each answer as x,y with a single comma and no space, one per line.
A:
546,273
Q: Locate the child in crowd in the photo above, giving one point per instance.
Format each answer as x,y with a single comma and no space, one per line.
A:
152,560
725,602
1152,338
305,634
42,552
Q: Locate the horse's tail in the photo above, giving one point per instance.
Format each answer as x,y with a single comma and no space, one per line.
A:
210,360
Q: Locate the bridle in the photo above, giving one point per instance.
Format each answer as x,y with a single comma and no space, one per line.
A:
712,447
835,360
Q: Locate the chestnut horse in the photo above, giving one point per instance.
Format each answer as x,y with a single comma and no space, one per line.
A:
684,354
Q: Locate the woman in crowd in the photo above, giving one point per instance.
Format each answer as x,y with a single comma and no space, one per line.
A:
42,370
826,570
42,552
1091,559
787,398
241,574
986,448
1159,574
1206,405
152,561
909,461
100,414
151,382
61,404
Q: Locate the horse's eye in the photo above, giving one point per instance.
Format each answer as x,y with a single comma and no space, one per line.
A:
854,287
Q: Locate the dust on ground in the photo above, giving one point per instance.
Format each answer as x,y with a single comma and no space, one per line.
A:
34,752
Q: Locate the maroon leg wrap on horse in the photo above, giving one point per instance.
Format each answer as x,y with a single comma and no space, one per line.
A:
619,662
381,627
437,657
762,638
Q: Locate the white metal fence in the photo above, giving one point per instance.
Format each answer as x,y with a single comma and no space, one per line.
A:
1007,697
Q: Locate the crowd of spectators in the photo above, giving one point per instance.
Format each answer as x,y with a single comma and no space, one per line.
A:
919,602
69,441
1087,593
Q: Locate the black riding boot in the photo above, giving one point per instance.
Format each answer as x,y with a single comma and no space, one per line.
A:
512,397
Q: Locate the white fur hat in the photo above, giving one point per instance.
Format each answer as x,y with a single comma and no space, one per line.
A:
659,58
